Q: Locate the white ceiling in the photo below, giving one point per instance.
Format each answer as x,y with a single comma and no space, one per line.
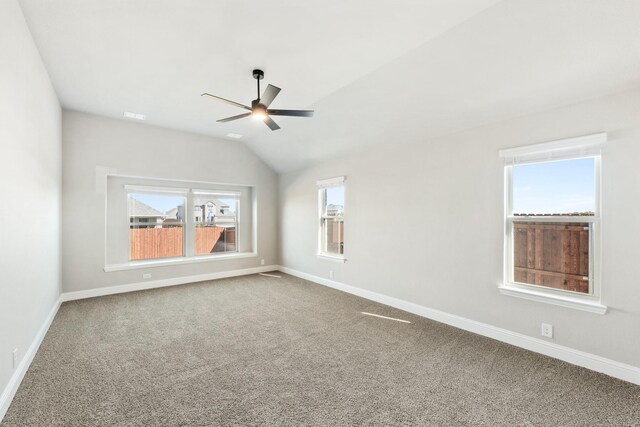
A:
376,72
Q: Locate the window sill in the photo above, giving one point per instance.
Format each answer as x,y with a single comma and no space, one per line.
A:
577,303
176,261
334,258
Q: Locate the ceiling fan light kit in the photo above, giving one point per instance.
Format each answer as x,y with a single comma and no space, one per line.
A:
259,109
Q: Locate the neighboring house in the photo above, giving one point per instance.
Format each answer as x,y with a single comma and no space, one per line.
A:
335,210
175,213
211,212
141,213
214,208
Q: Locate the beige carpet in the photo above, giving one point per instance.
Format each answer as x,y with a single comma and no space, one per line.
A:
258,350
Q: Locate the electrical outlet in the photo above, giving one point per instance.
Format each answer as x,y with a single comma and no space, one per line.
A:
261,262
330,274
15,358
146,276
547,330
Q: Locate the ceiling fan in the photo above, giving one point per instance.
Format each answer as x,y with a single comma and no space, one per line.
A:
259,107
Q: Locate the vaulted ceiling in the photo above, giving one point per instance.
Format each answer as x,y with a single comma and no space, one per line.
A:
376,72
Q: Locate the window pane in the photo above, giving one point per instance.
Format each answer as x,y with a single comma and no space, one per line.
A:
332,220
334,201
155,226
216,220
563,187
552,254
334,236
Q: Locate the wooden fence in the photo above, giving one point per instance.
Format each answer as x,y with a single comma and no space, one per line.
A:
555,254
151,243
215,239
335,237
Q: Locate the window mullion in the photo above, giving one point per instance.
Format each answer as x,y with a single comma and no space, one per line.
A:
189,227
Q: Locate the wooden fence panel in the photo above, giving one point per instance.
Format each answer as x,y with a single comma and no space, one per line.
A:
552,254
206,239
152,243
229,239
335,237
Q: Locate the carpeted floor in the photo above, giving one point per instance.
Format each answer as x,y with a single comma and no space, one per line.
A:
259,350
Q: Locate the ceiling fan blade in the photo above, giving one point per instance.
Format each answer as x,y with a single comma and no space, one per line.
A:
293,113
236,104
273,125
269,95
228,119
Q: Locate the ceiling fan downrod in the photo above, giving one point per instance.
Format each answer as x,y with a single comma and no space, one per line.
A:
258,75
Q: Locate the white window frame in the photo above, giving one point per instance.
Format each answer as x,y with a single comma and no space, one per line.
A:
588,146
188,227
323,184
217,193
140,189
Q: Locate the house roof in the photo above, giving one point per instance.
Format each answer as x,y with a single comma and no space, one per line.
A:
375,72
172,213
219,204
142,210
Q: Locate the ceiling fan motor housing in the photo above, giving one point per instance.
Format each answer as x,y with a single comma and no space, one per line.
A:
256,104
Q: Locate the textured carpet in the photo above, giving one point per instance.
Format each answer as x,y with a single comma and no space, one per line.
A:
259,350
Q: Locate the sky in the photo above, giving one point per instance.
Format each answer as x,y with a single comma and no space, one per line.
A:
166,202
160,202
335,195
540,188
565,186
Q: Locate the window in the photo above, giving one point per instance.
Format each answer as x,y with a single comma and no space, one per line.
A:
216,221
153,222
552,220
154,231
331,233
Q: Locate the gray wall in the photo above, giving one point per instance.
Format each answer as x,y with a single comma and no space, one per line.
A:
93,143
424,223
30,189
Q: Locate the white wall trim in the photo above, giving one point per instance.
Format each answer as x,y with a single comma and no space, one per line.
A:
152,284
18,374
155,189
115,174
576,357
330,182
577,303
580,146
164,262
334,258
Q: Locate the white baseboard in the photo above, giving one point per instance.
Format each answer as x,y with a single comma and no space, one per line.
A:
576,357
14,382
151,284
